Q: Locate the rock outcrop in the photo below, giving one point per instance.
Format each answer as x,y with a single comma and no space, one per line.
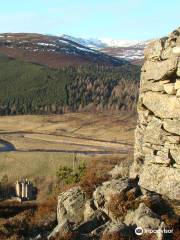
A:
157,137
116,208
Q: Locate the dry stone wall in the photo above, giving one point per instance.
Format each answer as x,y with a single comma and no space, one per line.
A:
157,137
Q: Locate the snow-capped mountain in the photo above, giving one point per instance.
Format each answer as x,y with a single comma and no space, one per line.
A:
91,42
129,50
105,42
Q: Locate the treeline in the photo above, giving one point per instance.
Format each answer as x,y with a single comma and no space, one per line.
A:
27,88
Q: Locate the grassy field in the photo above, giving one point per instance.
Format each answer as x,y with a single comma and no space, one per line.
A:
43,143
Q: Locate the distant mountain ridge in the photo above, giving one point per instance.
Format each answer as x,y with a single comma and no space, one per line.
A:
100,43
53,51
132,51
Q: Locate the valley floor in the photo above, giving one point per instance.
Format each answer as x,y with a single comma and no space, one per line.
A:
40,144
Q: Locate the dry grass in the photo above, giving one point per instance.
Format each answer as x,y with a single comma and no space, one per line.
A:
83,132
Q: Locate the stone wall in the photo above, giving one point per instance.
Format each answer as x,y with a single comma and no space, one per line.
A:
157,137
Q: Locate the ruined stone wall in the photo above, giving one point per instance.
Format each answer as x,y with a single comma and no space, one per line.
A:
157,137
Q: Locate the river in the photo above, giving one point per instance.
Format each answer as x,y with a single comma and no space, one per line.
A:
6,146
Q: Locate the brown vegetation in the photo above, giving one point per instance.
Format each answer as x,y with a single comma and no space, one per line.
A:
113,236
52,60
119,204
96,173
65,236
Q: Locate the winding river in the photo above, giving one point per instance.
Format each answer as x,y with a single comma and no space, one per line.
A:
6,146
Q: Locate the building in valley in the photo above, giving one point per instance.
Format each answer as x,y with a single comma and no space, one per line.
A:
24,190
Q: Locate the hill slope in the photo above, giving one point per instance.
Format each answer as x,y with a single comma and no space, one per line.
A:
52,51
132,51
27,88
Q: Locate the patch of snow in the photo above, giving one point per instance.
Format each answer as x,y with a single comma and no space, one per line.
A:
46,44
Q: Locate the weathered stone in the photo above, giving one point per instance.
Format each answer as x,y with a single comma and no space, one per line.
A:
71,205
104,193
178,93
147,150
157,164
158,86
176,155
154,49
157,159
172,126
120,229
98,219
89,209
169,88
178,70
159,70
167,53
162,105
144,116
143,217
176,50
177,84
173,139
154,132
169,145
161,179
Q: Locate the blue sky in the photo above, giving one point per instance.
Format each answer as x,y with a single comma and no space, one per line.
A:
118,19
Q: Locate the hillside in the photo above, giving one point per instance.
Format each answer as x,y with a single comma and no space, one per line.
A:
28,88
52,51
132,51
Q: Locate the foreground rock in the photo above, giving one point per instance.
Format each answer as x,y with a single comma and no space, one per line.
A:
143,217
106,217
157,145
71,206
102,195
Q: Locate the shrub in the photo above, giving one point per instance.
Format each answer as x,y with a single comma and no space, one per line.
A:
119,204
66,175
91,180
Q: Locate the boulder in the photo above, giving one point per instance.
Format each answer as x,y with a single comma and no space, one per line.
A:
98,219
102,195
114,230
142,217
71,206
